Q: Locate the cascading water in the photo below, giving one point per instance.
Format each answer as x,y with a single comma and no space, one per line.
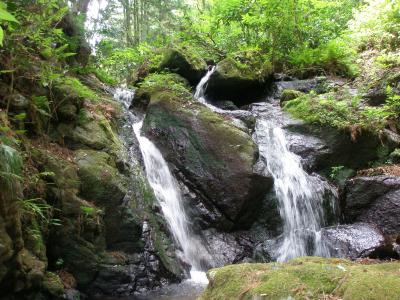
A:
168,194
201,87
299,194
169,197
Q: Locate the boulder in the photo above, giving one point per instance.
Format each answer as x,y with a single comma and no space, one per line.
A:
288,95
241,82
214,156
184,63
374,199
304,278
353,241
324,147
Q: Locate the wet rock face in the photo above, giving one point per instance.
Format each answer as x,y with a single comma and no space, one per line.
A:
375,200
215,157
353,241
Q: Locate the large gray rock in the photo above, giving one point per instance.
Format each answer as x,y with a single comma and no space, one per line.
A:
375,200
215,157
353,241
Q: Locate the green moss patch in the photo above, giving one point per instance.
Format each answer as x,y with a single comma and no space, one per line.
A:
305,278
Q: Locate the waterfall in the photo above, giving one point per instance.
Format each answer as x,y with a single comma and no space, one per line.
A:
300,195
168,195
201,87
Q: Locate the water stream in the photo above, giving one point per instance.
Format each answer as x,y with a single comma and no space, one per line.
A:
169,197
299,194
167,193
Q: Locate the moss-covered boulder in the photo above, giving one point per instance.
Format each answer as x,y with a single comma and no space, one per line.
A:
214,156
242,78
305,278
100,179
185,62
288,95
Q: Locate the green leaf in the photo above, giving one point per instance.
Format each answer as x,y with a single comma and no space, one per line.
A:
6,16
1,36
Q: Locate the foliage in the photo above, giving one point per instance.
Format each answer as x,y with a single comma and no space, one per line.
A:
342,111
377,25
38,208
335,172
10,169
76,87
334,57
5,16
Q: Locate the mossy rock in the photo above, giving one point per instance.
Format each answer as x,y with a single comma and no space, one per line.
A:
305,278
288,95
100,179
185,62
208,149
53,285
88,132
241,78
31,268
155,83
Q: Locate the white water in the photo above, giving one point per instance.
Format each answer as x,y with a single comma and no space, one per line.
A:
169,197
201,87
300,195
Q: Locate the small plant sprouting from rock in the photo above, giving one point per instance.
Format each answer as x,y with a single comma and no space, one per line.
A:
335,172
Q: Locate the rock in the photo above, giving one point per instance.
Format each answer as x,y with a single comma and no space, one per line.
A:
67,112
226,105
53,285
32,269
304,278
242,83
100,179
184,63
330,147
224,248
317,84
288,95
92,134
215,157
374,199
376,96
353,241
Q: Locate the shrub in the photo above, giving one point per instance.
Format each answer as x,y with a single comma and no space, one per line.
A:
335,57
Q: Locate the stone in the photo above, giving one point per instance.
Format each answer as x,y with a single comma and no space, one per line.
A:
242,83
375,200
215,157
354,240
186,64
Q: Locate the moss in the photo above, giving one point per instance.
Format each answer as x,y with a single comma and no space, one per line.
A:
72,87
305,278
246,65
52,283
184,61
100,179
341,110
288,95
